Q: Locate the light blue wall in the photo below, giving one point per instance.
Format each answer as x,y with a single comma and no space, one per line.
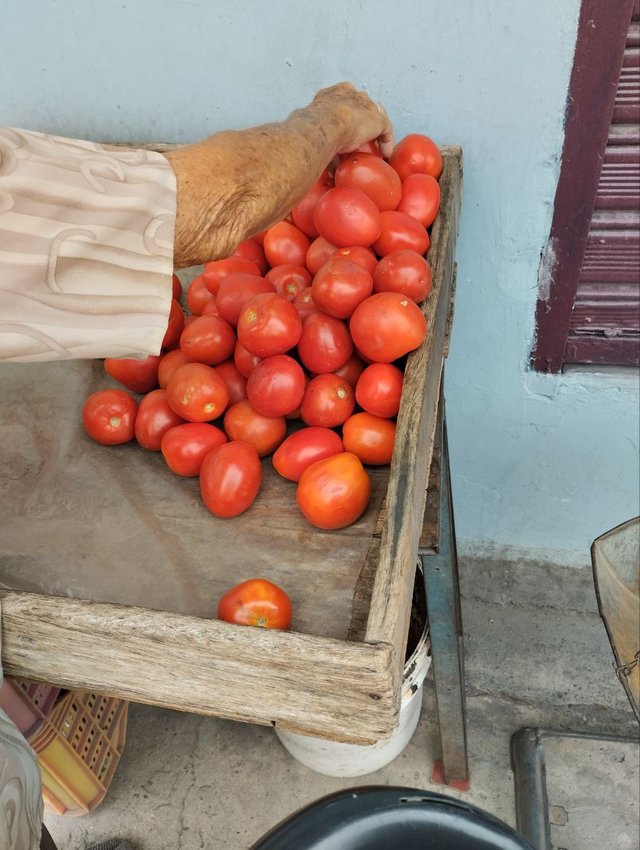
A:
542,465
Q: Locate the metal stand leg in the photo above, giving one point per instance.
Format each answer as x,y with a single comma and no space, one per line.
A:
445,629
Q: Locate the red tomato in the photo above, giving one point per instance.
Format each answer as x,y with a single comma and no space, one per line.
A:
185,446
400,231
234,379
154,419
304,304
176,287
235,291
340,286
210,309
109,417
268,325
302,213
379,389
263,433
169,362
370,438
319,252
357,254
256,602
367,147
351,371
216,271
208,339
295,414
346,216
334,492
328,401
276,386
139,376
416,154
406,272
258,238
420,198
285,243
250,250
175,326
373,176
325,344
198,296
288,280
303,448
230,478
197,393
244,360
387,326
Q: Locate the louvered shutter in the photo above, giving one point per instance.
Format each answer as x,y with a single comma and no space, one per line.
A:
605,321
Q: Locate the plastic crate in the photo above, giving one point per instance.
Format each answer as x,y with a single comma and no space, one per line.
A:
78,748
27,703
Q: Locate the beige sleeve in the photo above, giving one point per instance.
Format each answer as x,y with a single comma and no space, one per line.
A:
86,248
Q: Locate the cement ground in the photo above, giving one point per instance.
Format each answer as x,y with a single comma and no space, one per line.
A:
536,655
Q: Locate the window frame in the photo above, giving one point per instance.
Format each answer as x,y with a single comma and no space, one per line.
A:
600,44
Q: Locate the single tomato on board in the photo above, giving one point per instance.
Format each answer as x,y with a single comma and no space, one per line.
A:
397,231
304,447
339,286
139,376
263,433
334,492
109,417
416,154
345,217
208,339
379,389
197,393
276,386
268,325
370,438
256,602
185,446
325,344
236,290
371,174
328,401
403,271
154,419
387,326
230,479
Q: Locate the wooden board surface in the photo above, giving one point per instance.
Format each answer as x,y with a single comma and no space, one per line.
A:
113,524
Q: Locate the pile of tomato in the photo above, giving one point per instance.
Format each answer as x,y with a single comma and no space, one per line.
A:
293,347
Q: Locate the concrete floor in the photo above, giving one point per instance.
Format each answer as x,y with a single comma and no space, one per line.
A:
536,655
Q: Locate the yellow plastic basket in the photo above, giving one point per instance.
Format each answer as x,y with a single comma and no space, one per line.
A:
78,748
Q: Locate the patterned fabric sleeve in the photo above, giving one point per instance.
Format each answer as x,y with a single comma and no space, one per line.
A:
86,248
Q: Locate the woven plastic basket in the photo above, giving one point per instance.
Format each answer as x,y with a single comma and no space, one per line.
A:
79,747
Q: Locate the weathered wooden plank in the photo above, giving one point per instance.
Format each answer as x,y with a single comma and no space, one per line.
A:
318,686
406,495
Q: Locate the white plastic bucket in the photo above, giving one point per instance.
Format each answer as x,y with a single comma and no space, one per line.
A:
335,759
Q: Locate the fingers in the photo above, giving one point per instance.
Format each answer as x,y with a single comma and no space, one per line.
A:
385,139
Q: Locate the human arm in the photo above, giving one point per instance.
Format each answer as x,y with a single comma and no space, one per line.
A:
236,183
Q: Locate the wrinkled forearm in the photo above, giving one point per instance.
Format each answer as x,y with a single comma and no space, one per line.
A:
235,184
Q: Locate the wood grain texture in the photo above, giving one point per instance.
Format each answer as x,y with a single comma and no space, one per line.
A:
317,686
406,494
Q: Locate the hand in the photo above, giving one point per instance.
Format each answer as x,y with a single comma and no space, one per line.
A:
362,118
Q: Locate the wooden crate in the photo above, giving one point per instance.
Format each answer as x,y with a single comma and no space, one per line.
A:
336,675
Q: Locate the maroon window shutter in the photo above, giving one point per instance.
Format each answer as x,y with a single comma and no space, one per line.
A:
587,309
605,322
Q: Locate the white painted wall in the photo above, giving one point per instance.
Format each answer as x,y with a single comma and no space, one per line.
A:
542,465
